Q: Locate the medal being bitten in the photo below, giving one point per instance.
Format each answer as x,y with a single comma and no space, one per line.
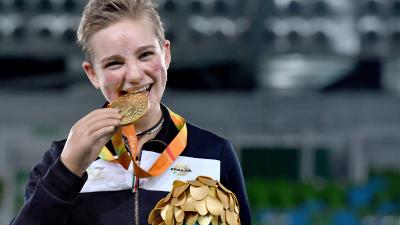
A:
131,106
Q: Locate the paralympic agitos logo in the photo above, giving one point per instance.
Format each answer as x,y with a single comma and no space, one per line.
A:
181,169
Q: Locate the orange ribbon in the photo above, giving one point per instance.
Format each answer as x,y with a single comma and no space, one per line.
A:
163,162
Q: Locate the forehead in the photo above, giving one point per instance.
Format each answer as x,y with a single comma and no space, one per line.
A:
126,34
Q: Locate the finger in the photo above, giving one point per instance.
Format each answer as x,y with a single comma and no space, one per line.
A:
100,114
97,117
101,121
104,113
104,134
98,125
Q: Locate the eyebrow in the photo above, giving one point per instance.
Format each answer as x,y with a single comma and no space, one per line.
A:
110,58
145,47
113,57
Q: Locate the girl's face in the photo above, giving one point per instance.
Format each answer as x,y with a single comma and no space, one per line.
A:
127,57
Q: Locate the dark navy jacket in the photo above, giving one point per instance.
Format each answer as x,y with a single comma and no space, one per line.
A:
54,195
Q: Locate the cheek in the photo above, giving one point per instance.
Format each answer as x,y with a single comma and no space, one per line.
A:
159,71
111,84
159,76
111,81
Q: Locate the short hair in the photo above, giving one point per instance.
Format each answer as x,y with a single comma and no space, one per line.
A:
99,14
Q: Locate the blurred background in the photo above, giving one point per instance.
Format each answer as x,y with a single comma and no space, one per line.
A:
307,90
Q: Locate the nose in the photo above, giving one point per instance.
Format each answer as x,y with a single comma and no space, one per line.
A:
134,73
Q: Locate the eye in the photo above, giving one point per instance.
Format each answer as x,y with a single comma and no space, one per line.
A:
146,54
112,65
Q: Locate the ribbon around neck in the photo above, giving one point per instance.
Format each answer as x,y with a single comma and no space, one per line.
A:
162,163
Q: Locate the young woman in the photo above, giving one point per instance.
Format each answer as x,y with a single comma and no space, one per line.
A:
84,180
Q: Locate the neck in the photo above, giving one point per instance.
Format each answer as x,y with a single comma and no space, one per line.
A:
152,130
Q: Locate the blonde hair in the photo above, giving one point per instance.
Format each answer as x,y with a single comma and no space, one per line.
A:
99,14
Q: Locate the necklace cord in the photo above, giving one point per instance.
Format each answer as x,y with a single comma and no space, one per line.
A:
152,129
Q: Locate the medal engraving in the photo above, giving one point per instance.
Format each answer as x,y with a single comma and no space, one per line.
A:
131,106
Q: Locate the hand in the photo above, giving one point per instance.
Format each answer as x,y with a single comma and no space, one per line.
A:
87,137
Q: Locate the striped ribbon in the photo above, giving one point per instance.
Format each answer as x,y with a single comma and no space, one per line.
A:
163,162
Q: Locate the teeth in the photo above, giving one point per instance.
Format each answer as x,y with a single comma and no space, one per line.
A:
141,89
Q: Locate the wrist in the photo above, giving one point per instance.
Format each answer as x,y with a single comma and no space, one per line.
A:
72,167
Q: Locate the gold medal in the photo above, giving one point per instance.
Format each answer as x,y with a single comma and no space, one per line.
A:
131,106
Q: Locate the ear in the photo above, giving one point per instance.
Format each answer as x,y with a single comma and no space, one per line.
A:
91,74
167,53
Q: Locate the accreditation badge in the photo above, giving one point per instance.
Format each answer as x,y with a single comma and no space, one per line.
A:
202,201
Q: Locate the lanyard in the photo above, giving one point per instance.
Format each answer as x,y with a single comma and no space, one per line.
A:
162,163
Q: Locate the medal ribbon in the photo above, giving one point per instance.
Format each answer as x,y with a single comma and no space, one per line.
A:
163,162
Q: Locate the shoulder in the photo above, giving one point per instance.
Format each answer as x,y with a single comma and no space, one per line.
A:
202,136
206,144
42,167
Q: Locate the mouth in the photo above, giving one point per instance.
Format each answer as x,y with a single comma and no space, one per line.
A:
143,89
